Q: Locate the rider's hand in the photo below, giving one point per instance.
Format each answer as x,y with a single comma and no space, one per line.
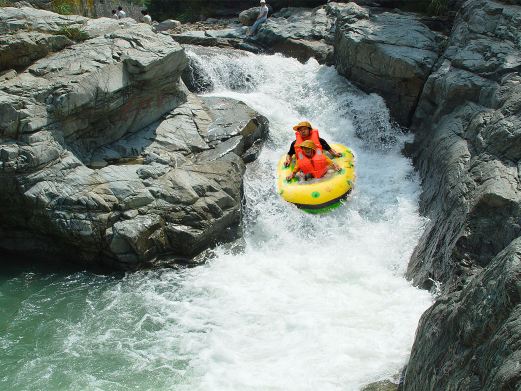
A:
290,177
287,162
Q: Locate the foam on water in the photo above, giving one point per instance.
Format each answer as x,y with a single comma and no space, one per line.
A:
309,303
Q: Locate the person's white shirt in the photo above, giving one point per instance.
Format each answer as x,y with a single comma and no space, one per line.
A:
147,19
122,14
263,11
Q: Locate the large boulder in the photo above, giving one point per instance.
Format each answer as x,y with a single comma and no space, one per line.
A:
391,54
105,157
223,38
467,148
26,19
18,51
85,8
469,340
28,34
91,87
168,24
299,32
30,19
248,17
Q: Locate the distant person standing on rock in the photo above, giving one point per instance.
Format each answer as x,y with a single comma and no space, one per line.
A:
146,17
121,13
115,14
263,17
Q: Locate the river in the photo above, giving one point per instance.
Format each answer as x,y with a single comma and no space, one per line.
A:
305,302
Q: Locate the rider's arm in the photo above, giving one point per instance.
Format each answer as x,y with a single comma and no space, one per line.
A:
327,147
291,151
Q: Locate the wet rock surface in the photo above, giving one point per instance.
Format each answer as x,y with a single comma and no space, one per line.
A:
384,385
31,19
106,157
391,54
301,33
297,32
250,15
28,34
467,149
233,37
20,50
467,145
469,340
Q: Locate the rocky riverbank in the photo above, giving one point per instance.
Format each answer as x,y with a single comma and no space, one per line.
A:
380,51
467,149
105,156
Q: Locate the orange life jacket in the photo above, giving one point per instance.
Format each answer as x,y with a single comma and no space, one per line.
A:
317,165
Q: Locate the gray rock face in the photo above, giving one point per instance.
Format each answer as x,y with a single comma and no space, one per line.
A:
200,129
472,336
467,148
105,157
168,24
18,51
32,19
299,32
101,26
468,145
28,19
225,38
28,34
249,16
91,87
388,53
384,385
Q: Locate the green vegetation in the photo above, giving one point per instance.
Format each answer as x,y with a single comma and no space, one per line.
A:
64,7
73,7
5,3
73,33
438,7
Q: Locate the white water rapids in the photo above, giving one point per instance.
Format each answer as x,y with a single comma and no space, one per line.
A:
310,303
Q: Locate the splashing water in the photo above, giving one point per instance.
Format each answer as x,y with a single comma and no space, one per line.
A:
310,303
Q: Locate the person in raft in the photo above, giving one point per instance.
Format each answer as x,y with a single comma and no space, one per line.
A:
304,131
311,161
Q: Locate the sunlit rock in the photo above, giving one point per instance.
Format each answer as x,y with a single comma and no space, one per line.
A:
467,149
101,153
388,53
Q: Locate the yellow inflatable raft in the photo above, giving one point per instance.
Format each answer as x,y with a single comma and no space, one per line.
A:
319,195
